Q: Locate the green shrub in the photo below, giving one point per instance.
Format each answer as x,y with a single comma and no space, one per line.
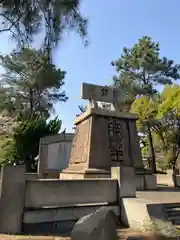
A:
23,147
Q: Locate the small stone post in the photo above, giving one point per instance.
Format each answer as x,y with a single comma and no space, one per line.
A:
126,180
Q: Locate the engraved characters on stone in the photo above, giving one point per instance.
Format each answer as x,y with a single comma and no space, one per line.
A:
116,141
104,92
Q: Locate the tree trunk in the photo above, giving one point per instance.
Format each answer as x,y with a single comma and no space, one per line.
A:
175,172
31,101
152,157
174,165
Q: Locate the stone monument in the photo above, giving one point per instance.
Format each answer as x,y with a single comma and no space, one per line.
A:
103,138
54,154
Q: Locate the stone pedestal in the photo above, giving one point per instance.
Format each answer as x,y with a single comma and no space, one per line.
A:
84,173
103,139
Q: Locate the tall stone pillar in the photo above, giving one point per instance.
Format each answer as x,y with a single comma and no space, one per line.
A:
103,139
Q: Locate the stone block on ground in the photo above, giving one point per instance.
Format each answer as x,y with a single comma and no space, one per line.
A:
100,225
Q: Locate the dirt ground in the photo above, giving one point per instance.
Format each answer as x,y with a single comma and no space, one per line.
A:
13,237
122,235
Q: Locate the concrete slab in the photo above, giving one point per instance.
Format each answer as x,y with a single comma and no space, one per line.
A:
161,195
45,192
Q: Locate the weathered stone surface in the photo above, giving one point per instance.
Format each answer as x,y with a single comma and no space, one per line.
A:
101,93
54,153
110,147
119,142
12,198
100,225
84,173
126,180
80,145
103,139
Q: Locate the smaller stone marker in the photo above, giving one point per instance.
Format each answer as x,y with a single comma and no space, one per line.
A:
54,154
100,225
126,180
12,192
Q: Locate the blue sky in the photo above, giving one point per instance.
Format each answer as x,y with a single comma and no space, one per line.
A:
111,27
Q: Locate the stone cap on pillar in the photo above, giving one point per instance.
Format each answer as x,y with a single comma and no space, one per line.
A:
102,112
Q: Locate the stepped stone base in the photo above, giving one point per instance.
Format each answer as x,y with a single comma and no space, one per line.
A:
144,180
84,173
51,174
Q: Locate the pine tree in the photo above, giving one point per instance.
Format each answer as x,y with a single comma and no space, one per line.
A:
140,69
